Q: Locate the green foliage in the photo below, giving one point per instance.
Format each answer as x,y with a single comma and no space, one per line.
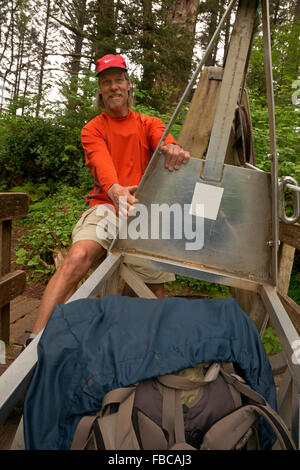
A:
271,342
160,102
58,214
285,60
145,104
287,137
35,192
26,104
203,287
36,149
294,287
77,98
39,150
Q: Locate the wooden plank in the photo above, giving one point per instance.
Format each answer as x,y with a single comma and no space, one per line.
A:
292,309
196,130
278,363
251,303
8,431
4,323
20,330
290,234
134,281
5,247
283,326
13,205
230,89
11,285
18,442
286,261
15,379
284,398
114,285
22,306
5,258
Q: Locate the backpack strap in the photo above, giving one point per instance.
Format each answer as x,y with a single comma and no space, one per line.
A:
182,383
172,412
172,415
228,368
125,435
107,427
150,434
277,424
234,430
116,396
82,432
260,406
240,385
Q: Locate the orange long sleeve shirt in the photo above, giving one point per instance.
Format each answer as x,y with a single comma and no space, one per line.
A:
118,150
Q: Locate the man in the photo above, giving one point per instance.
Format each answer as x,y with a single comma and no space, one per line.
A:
118,144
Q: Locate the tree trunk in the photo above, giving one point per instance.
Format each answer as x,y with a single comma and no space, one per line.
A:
25,83
75,61
43,59
12,49
19,65
214,15
105,42
147,82
297,9
181,19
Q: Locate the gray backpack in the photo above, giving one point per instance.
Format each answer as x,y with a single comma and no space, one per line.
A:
216,410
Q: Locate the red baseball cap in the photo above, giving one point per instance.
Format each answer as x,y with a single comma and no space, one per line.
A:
109,61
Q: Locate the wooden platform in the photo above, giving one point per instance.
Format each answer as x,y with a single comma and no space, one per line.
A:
22,316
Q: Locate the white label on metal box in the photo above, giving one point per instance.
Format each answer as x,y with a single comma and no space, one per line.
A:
210,197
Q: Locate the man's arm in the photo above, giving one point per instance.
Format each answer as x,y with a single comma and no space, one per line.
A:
103,170
174,156
97,156
123,205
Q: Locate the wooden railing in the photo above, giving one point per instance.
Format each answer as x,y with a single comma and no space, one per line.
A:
12,284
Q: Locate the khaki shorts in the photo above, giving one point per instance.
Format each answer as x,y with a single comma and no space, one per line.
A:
88,228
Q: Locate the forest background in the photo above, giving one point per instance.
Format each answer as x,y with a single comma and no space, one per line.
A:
48,51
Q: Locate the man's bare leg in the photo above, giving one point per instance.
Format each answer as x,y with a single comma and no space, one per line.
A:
64,282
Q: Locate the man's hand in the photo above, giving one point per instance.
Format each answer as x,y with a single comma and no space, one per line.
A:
174,156
116,191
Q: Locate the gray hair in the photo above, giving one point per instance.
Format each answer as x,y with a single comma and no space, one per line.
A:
98,102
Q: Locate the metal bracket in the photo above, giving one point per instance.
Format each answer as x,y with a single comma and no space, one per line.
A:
291,183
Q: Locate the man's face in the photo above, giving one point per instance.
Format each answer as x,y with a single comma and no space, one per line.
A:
114,89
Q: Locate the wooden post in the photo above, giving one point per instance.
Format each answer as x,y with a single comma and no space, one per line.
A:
5,240
196,130
12,205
